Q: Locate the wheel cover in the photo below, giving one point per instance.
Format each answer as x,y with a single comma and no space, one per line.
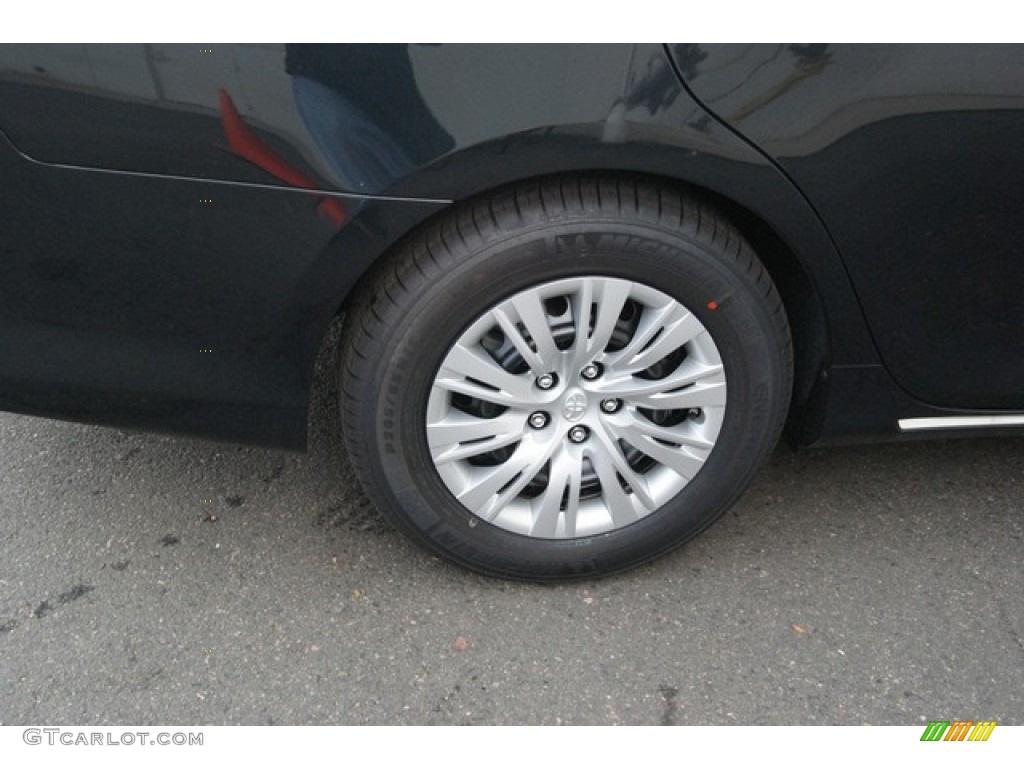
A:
630,414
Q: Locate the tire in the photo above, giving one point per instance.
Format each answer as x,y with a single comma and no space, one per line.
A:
654,420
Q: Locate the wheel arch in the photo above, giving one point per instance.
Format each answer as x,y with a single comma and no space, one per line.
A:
792,274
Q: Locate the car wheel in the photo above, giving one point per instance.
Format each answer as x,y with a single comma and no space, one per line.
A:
567,378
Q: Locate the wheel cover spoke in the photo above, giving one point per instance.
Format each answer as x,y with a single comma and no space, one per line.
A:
634,413
530,309
611,296
565,484
471,372
672,327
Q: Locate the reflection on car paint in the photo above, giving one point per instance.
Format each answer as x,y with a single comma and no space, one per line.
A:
246,144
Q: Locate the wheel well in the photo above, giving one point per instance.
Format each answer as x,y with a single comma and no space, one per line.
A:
802,301
804,309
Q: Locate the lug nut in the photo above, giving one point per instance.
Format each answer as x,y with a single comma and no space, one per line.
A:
591,371
546,381
538,420
610,406
578,434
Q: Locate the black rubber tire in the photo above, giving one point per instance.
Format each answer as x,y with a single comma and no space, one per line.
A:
427,292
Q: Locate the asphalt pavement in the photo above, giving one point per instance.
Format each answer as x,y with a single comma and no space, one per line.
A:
164,580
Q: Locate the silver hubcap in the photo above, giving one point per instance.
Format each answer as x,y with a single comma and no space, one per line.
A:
591,467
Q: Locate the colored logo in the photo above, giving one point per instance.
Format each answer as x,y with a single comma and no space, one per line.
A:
958,730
